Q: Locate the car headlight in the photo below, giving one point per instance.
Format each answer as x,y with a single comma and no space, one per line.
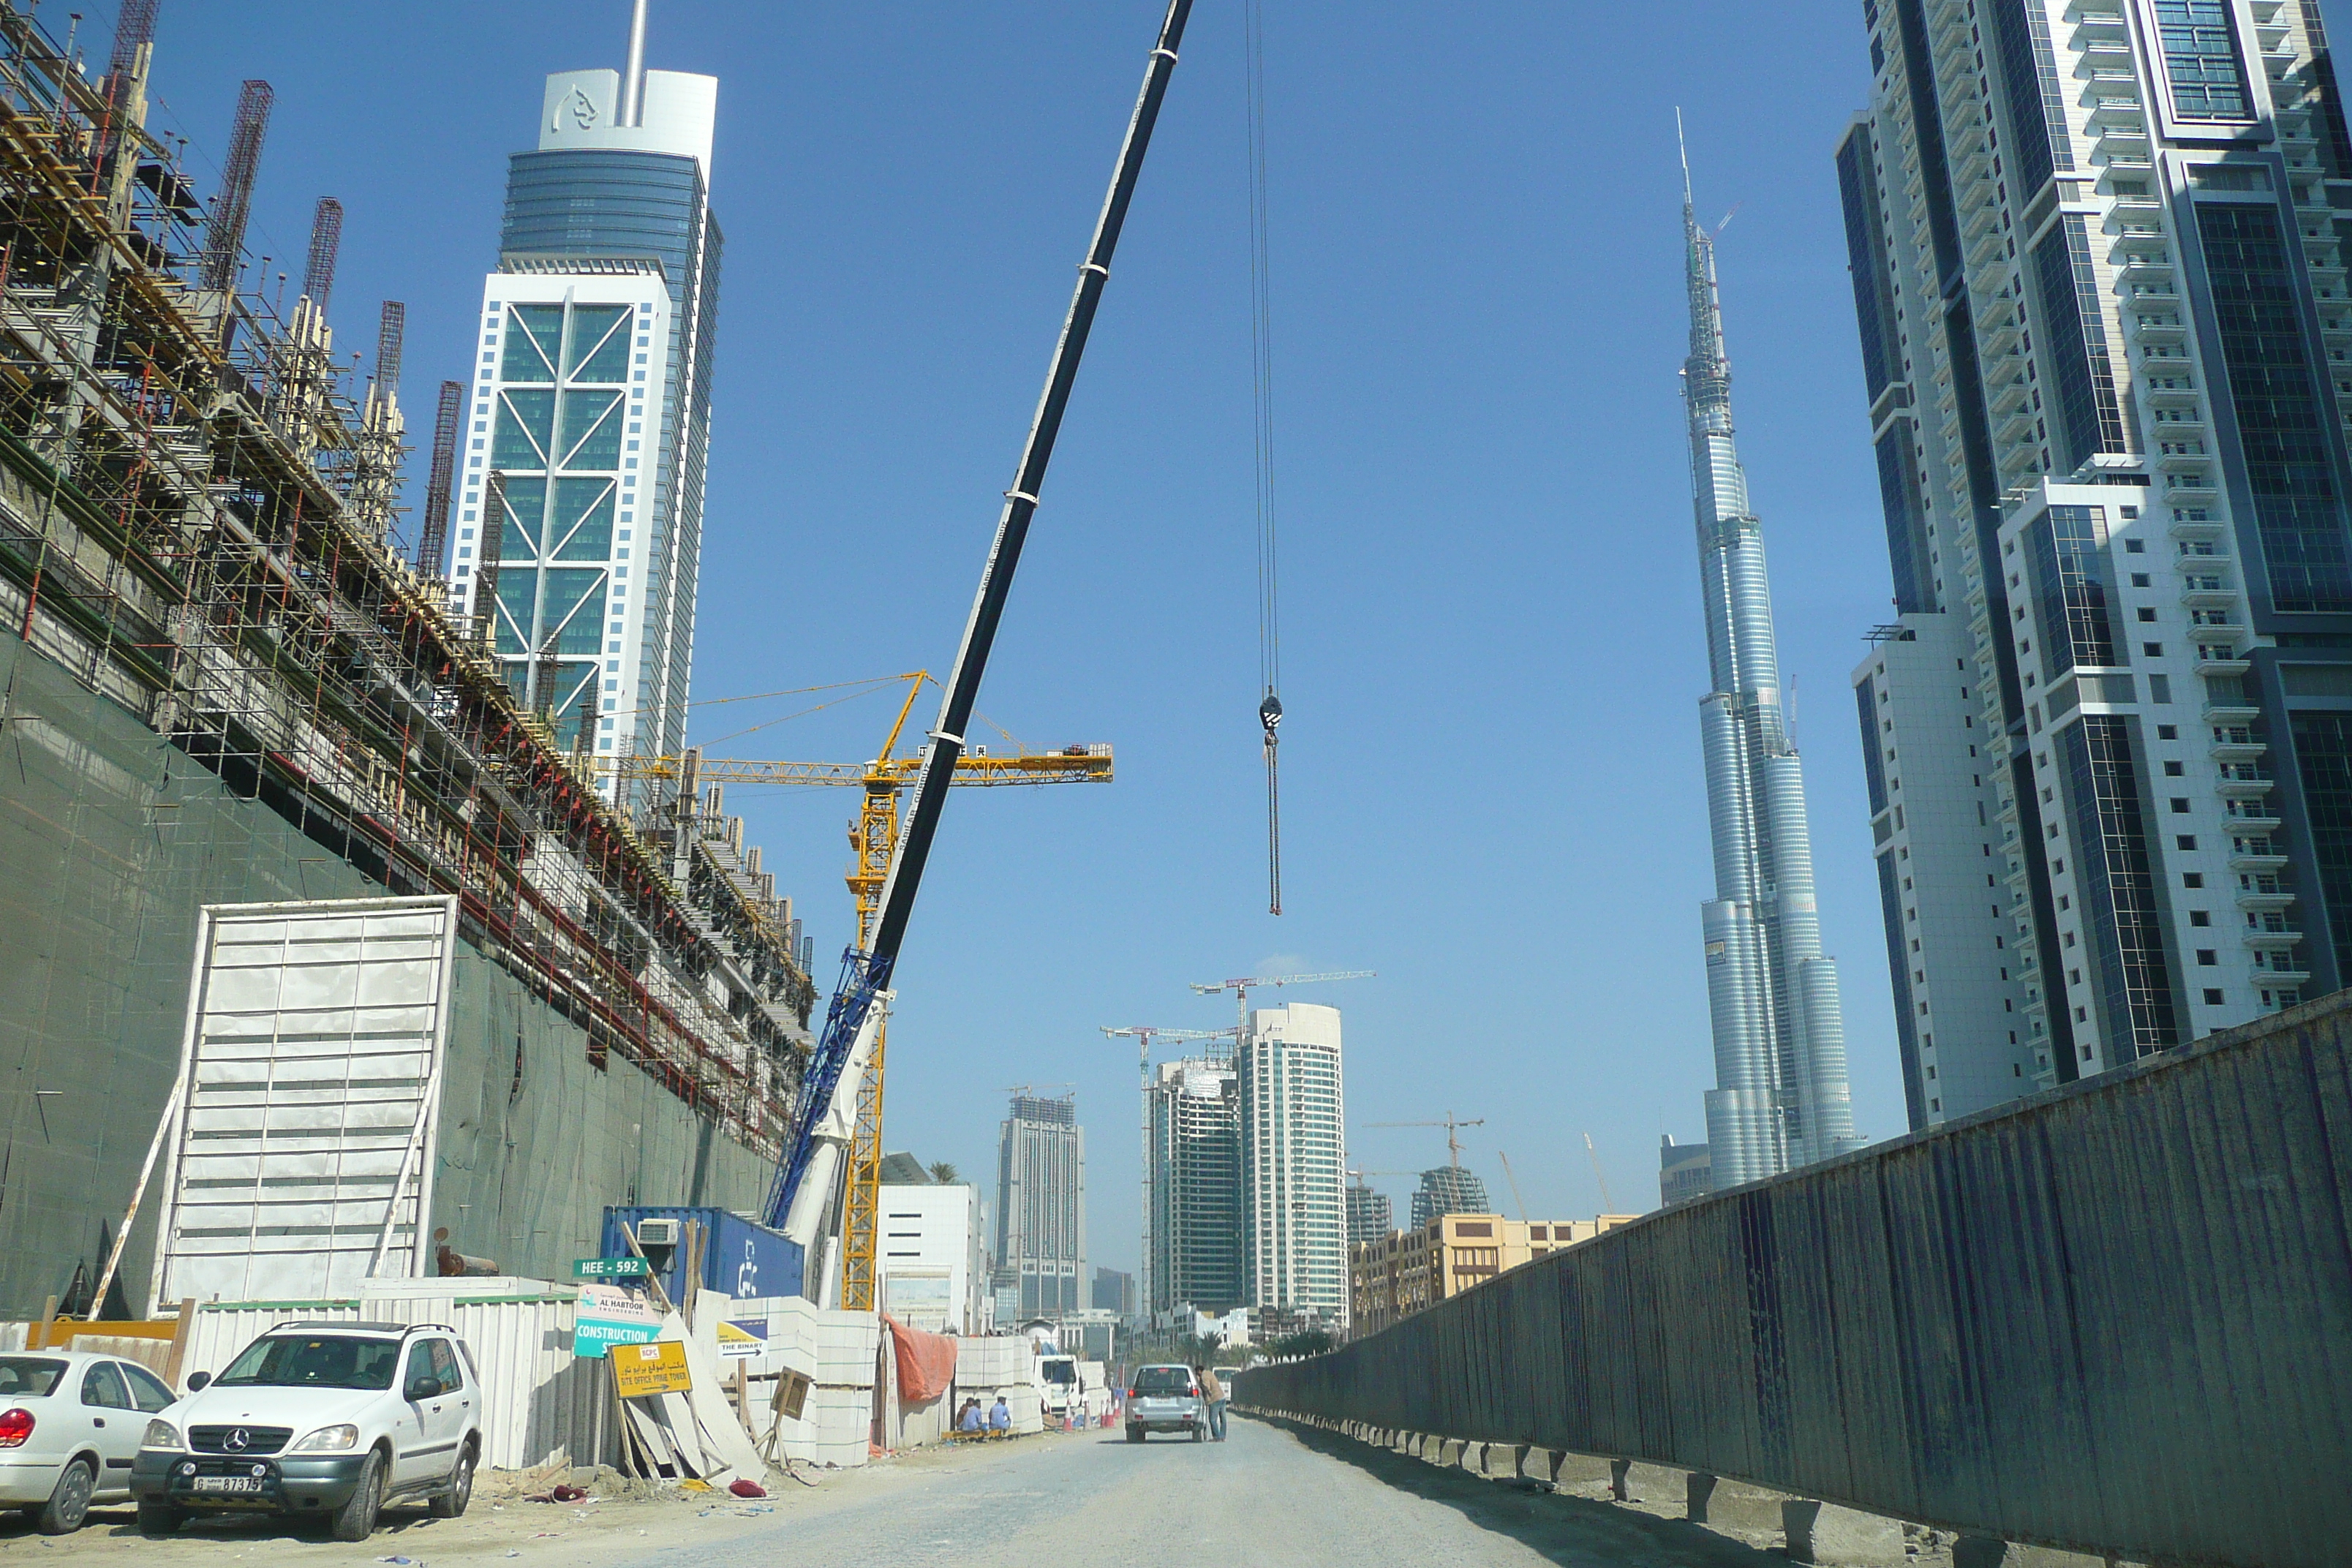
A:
161,1435
329,1441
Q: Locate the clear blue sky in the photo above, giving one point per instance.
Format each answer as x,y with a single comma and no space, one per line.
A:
1491,639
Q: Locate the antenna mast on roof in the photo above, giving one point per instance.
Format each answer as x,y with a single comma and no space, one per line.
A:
633,81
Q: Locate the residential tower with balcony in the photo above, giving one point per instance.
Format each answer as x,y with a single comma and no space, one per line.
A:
2097,264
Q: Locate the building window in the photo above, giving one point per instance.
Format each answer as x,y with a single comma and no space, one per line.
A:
2279,411
2322,749
2213,996
2071,589
2201,60
2116,878
2073,316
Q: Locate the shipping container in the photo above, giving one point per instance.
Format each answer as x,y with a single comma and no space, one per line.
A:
740,1256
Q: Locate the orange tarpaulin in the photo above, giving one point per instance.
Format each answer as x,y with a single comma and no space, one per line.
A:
927,1362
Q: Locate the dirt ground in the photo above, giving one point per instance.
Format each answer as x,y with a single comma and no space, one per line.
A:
620,1519
892,1510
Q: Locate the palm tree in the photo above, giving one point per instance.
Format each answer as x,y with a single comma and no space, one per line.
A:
944,1173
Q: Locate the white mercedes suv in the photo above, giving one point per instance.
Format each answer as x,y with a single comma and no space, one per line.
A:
331,1421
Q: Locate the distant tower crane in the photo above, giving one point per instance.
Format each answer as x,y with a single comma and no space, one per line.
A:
1452,1143
1511,1176
1241,988
1606,1202
873,843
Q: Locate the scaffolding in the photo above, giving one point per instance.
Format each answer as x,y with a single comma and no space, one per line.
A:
194,522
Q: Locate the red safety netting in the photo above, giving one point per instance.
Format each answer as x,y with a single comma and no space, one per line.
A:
927,1362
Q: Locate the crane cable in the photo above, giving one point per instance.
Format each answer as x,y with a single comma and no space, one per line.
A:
1269,628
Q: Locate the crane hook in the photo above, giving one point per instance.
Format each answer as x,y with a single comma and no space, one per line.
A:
1269,713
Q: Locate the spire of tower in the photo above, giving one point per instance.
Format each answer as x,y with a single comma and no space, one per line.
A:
1707,373
633,81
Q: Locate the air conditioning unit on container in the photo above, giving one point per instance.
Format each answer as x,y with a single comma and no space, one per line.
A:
656,1233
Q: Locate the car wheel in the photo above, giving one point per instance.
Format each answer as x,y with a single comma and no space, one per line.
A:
68,1503
158,1519
452,1503
355,1521
1134,1433
1200,1434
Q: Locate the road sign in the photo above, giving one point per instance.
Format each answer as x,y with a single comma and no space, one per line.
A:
642,1369
743,1339
607,1315
609,1269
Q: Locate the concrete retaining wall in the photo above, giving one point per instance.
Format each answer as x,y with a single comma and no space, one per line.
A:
111,840
2115,1319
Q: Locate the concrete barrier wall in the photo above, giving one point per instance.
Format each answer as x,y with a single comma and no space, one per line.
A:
2115,1319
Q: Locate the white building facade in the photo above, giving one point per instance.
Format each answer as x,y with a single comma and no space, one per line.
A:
2098,271
1294,1155
933,1264
581,482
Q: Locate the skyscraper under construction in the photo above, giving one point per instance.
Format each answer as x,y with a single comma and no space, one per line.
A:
1781,1096
221,685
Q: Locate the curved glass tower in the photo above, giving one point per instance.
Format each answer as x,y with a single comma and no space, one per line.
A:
1780,1098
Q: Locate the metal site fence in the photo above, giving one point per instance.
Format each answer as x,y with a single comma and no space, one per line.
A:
2115,1319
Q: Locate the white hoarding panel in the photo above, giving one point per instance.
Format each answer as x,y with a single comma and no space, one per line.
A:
301,1142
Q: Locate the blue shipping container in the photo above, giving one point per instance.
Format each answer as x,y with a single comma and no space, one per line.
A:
740,1256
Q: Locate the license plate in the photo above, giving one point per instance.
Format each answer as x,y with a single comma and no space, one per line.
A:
228,1483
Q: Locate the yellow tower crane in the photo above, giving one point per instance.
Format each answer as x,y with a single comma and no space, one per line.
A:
873,845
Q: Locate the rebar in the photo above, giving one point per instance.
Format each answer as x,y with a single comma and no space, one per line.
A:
224,241
432,546
326,238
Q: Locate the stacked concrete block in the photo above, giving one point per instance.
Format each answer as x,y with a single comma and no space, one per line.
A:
989,1365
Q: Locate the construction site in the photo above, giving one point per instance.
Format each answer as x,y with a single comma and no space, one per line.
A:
222,681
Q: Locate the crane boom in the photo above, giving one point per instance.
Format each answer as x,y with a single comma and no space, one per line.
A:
1242,987
1608,1201
853,1017
1077,765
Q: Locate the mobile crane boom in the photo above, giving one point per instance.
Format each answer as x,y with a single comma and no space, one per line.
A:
802,1198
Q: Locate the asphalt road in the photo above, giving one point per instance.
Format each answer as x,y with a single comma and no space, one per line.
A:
1269,1495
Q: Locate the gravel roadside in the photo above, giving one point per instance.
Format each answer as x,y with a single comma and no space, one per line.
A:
620,1518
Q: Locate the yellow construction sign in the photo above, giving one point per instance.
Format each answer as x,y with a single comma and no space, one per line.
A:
642,1369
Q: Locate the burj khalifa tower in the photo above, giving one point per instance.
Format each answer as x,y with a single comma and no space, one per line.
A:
1782,1099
